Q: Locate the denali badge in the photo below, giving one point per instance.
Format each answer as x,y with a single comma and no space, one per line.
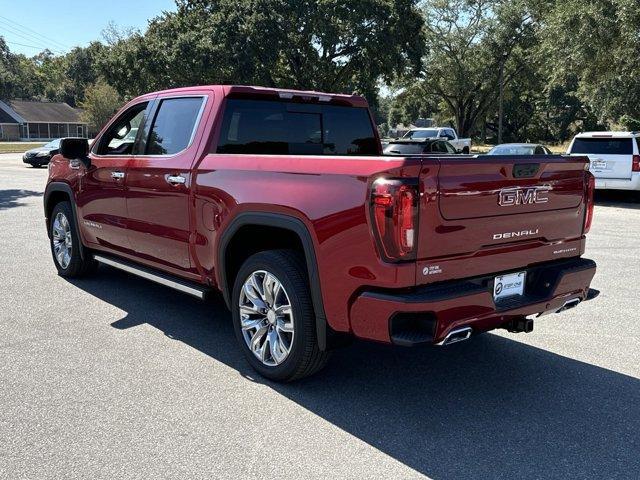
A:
92,224
522,196
523,233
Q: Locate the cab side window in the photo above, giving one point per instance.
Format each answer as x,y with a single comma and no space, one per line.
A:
121,136
173,126
439,147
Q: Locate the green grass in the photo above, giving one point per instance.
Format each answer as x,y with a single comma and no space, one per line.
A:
18,147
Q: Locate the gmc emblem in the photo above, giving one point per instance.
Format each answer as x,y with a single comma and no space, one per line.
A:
523,196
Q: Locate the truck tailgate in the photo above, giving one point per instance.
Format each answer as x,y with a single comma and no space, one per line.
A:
496,213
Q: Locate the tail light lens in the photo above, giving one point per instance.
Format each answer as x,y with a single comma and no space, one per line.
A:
591,187
635,165
394,212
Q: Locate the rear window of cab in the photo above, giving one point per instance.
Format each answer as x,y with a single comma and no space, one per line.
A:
603,146
287,128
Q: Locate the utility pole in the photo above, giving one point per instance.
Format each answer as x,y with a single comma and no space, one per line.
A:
501,101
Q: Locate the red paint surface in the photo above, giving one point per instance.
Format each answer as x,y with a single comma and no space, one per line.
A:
177,228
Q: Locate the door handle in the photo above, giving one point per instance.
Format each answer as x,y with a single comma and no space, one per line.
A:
117,175
176,180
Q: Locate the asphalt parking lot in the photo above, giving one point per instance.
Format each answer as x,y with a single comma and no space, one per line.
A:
115,377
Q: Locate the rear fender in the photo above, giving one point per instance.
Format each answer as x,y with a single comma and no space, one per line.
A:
286,222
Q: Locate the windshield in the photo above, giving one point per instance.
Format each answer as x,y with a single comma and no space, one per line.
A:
421,134
512,150
404,148
53,144
603,146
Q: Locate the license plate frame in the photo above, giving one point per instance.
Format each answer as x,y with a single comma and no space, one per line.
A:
599,164
509,285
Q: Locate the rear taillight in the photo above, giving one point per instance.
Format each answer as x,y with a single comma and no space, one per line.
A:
394,212
591,187
635,163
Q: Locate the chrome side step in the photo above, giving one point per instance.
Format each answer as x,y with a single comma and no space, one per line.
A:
181,285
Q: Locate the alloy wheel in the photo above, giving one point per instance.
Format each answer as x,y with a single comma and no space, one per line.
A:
266,318
62,243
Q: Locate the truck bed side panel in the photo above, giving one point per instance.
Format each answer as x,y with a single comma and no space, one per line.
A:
329,194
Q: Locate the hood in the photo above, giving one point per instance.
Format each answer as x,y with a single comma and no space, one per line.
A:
34,151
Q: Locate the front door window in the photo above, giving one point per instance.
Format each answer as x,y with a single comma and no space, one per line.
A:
121,136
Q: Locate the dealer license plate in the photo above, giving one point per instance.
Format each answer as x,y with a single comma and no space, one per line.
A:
508,285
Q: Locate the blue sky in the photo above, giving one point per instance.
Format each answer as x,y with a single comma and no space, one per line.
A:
62,24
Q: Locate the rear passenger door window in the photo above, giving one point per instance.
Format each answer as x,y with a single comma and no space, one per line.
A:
173,125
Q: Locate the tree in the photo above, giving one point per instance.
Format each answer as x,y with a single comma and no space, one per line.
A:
412,103
81,71
469,43
327,45
101,102
596,42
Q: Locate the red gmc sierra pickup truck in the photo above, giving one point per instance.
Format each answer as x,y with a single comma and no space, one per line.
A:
282,201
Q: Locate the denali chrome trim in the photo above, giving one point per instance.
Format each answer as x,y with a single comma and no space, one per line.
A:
194,291
457,335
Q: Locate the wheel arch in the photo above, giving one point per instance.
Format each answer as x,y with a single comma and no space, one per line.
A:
290,224
55,193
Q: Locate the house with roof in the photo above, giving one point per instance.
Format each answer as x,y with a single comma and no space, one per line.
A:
22,120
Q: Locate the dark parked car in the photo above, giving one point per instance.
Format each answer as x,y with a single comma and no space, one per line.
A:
38,157
419,146
519,149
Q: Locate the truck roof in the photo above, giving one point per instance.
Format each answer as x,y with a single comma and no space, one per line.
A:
283,93
609,134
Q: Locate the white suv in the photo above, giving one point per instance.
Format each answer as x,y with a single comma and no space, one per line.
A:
614,157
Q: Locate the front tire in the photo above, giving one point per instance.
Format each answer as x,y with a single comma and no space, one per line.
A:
66,247
273,316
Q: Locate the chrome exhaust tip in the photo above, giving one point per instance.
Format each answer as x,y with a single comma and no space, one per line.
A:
569,304
457,335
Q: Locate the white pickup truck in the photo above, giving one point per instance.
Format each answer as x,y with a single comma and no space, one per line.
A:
462,145
614,158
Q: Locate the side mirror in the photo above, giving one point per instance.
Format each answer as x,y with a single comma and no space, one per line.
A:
76,149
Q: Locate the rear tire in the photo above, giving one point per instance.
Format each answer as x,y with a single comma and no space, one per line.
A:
66,248
273,316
